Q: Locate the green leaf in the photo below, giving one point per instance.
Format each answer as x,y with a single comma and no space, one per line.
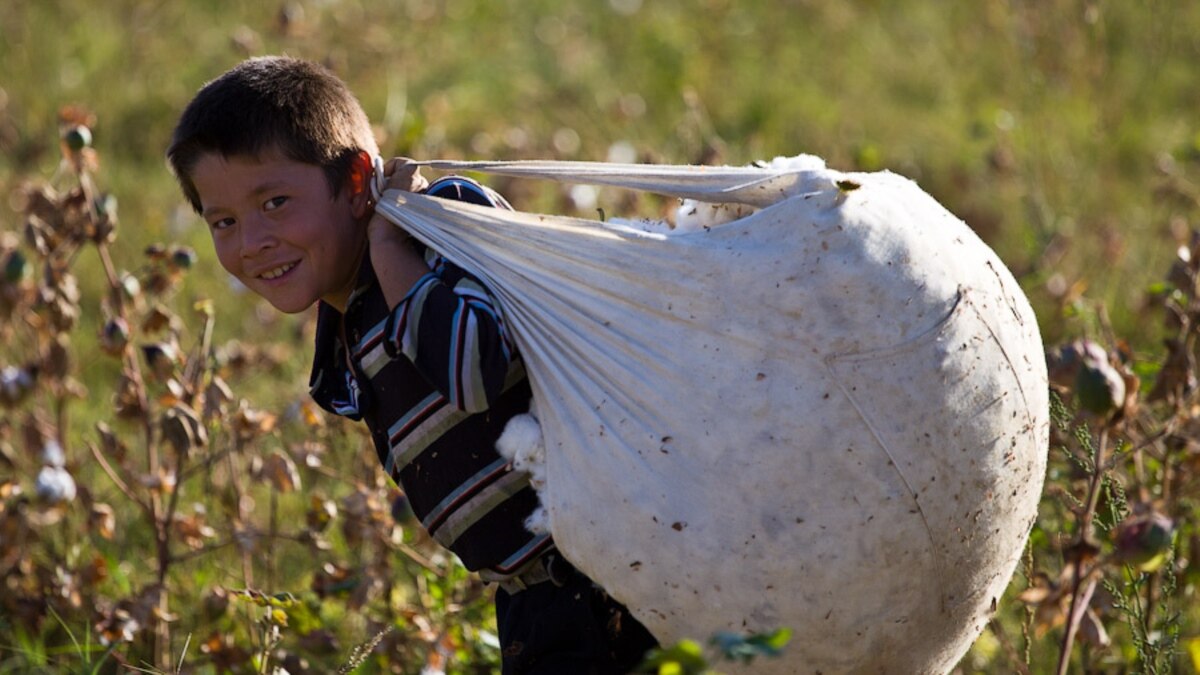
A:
1193,649
1159,288
737,647
685,657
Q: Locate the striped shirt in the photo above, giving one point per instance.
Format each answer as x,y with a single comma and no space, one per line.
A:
436,379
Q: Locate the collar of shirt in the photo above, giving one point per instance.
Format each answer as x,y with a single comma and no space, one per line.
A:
332,384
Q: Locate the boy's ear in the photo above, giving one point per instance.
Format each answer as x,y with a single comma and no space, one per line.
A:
360,184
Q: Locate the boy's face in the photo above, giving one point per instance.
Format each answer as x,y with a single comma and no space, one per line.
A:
276,228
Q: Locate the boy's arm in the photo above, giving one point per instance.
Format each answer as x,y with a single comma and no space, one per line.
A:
397,265
444,320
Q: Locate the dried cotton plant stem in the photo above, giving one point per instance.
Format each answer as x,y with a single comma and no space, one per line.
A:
1083,584
1014,658
116,478
1080,597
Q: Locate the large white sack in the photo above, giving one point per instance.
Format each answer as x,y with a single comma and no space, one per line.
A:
830,415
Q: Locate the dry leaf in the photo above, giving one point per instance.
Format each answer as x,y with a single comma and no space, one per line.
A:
280,471
102,520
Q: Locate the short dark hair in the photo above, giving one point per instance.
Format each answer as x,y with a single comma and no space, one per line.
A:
294,106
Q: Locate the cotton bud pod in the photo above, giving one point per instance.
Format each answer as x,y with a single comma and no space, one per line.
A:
162,357
158,319
305,413
334,580
1089,350
280,471
110,443
17,268
114,336
182,258
1144,540
127,401
194,529
182,429
15,384
217,397
105,225
216,602
1100,388
1187,256
77,138
59,294
131,288
102,520
162,481
37,236
159,281
249,423
56,364
155,251
1092,631
1098,385
1062,364
321,512
63,314
55,486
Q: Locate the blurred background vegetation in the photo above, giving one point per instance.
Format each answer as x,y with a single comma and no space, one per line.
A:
1065,132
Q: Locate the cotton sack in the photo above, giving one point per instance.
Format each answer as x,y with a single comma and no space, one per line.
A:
829,415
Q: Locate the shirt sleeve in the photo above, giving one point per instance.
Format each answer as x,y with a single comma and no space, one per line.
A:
448,324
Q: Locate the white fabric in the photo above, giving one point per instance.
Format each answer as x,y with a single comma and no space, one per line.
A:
829,416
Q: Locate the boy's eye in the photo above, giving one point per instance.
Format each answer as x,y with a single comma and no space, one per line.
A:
274,203
221,223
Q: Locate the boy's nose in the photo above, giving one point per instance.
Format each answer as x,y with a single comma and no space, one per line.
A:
257,236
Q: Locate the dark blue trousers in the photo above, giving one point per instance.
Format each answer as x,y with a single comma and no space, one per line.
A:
570,629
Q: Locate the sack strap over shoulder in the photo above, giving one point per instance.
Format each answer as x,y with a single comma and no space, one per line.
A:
750,185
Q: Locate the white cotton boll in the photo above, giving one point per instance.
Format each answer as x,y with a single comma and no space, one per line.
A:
538,522
796,163
584,197
55,485
53,455
521,444
622,152
15,384
521,433
533,462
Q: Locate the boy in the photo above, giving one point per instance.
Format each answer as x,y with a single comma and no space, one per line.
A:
276,156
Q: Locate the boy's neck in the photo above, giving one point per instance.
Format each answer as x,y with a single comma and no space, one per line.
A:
362,275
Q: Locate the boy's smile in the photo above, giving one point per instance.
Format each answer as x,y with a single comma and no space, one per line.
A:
278,230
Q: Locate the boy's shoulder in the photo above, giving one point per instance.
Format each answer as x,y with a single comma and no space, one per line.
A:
463,189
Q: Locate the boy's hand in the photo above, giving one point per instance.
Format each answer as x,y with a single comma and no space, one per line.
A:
401,174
